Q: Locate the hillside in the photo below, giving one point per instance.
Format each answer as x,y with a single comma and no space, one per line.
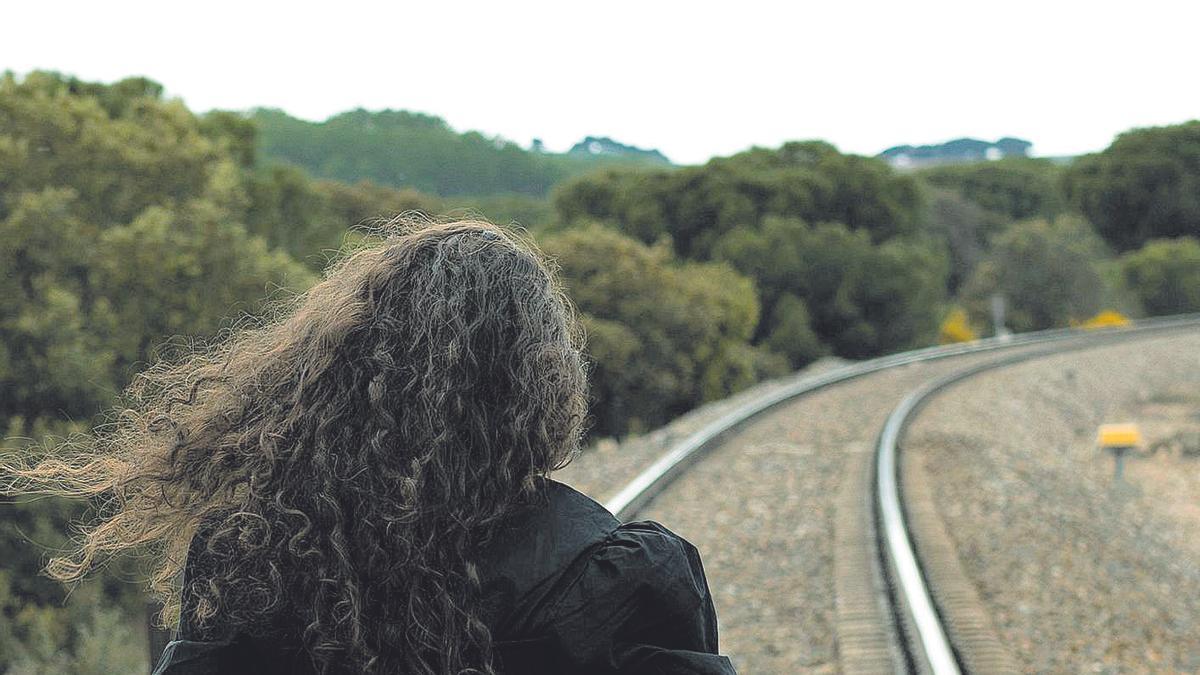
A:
406,149
594,146
957,151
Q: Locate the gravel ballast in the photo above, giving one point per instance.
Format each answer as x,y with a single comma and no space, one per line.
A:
1081,574
607,465
761,510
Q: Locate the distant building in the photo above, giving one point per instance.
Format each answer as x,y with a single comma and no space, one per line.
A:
958,151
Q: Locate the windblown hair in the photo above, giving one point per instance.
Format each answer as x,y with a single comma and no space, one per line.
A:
345,459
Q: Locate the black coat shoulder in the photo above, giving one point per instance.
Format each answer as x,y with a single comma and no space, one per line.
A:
534,549
577,591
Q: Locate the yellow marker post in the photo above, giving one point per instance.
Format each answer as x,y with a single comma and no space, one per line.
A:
1118,439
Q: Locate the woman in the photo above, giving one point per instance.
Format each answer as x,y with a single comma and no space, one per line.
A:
361,484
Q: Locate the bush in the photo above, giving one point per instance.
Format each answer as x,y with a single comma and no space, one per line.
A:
1050,272
790,332
1107,319
956,327
1165,275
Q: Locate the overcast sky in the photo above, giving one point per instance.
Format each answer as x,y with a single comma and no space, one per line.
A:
693,79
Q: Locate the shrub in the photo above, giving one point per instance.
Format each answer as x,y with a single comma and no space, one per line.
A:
1165,275
1107,319
956,327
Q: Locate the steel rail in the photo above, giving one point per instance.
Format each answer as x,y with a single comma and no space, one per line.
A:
634,496
909,578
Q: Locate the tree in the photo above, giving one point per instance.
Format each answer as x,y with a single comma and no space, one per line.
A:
364,201
891,299
1015,187
696,206
120,226
182,272
151,152
664,335
1165,275
236,134
1050,272
290,212
1146,185
790,333
963,228
863,299
51,363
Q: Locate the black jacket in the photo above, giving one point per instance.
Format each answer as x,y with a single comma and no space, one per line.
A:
568,590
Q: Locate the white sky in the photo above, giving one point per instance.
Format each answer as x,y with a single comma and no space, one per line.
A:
694,79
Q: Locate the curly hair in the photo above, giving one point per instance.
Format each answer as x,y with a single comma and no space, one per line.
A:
346,457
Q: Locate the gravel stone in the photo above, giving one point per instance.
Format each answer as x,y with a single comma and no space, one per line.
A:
607,464
761,510
1082,574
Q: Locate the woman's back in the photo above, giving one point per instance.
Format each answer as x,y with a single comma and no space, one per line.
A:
567,589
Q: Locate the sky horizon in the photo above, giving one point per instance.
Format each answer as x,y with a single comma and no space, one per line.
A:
694,84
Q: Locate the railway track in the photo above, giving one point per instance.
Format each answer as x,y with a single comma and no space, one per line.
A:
901,603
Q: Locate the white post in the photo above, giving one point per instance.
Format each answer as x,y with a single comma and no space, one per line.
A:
998,327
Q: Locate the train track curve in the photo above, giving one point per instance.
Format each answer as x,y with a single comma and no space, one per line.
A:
888,617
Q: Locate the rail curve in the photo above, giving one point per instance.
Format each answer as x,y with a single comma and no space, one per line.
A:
914,637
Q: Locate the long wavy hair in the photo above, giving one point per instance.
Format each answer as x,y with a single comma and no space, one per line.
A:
346,457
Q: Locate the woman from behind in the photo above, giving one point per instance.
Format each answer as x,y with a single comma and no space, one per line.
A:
360,483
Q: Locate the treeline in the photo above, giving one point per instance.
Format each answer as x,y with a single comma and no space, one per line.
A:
833,242
126,219
405,149
1118,228
851,258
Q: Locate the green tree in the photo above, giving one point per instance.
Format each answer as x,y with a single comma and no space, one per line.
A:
1146,185
150,152
365,201
51,362
79,309
1165,275
863,299
789,331
533,213
963,228
289,211
664,335
1016,187
696,206
236,134
121,149
121,224
182,272
1050,272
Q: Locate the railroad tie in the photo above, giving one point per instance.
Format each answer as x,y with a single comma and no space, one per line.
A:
864,629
